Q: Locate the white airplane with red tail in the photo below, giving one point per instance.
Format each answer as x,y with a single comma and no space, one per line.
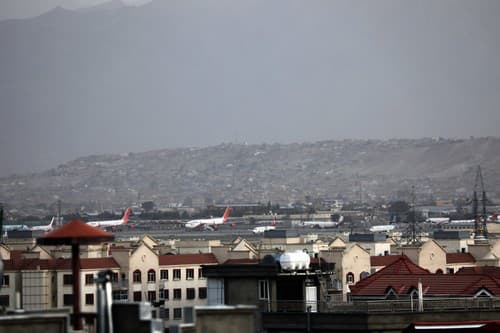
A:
264,228
111,223
209,223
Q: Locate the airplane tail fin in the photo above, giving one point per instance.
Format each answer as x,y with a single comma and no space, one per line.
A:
274,221
125,216
226,214
51,224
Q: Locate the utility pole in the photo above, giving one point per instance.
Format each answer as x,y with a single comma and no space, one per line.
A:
1,222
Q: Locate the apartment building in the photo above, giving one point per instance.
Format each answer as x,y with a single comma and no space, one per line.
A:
41,284
181,284
352,263
169,281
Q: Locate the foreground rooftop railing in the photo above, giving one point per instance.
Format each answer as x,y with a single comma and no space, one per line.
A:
407,305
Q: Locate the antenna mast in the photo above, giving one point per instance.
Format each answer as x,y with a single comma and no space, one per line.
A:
480,233
413,239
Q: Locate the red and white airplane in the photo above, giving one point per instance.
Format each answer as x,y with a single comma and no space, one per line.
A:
264,228
111,223
209,223
44,228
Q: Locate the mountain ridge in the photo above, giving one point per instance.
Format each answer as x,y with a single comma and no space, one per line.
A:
378,170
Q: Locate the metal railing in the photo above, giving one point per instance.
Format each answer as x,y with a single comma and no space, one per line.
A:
405,305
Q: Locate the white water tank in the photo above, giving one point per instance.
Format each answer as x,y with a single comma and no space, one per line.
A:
291,261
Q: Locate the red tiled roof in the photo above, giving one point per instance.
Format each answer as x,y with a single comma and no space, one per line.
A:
16,254
402,265
316,261
433,285
459,326
458,258
403,276
98,263
58,264
485,270
383,260
241,261
187,259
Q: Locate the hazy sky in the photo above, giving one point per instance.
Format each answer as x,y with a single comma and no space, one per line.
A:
183,73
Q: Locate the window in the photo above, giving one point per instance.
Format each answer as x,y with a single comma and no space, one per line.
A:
350,278
177,313
449,271
67,279
4,300
263,289
6,281
200,273
189,273
137,296
152,296
151,276
68,299
120,295
136,278
202,293
164,313
163,294
164,274
177,274
114,277
89,279
89,299
177,294
190,293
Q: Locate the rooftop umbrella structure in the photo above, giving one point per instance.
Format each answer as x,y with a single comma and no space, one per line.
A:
75,233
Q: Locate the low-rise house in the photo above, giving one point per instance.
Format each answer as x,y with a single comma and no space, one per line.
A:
375,243
352,263
456,261
429,255
400,281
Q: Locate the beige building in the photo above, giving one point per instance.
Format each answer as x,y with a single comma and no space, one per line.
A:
429,255
352,263
42,284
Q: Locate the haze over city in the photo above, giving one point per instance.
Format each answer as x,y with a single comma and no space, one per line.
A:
82,80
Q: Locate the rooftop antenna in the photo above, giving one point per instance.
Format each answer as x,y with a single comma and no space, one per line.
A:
58,220
413,239
479,218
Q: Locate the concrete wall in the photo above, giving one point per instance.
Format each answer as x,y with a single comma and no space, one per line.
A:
390,322
229,319
37,322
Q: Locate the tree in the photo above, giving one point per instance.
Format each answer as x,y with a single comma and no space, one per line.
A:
398,208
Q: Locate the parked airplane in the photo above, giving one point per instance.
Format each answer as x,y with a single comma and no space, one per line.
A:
438,220
382,228
209,223
15,227
495,218
319,224
44,228
262,229
462,221
111,223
